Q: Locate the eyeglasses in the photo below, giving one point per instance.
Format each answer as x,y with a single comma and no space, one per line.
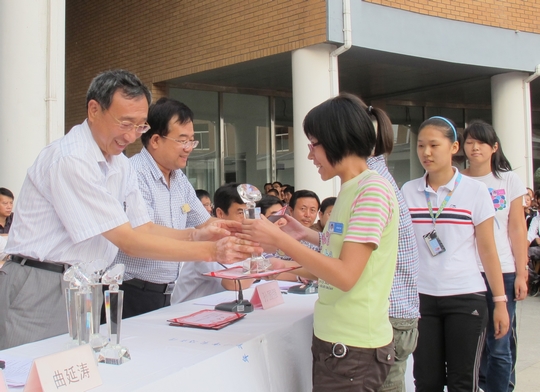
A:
312,146
184,143
128,126
208,205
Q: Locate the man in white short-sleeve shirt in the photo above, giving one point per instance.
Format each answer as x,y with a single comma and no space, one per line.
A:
79,202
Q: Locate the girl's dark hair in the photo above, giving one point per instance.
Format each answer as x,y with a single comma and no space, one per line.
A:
385,132
484,132
268,201
446,126
342,126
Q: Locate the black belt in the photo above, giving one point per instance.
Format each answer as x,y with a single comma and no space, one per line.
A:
163,288
44,265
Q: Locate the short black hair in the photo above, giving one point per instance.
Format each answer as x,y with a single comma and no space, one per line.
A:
342,127
273,190
329,201
277,182
304,193
6,192
104,86
288,189
268,201
159,115
268,183
225,195
202,193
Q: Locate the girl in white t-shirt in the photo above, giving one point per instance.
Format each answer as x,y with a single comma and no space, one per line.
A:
451,213
489,165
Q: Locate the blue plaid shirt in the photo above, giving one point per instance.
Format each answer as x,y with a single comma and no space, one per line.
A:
175,206
404,302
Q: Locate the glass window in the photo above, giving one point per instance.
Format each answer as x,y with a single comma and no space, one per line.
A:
284,140
247,139
478,114
403,163
203,164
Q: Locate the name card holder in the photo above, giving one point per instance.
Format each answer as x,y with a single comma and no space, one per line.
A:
267,296
73,370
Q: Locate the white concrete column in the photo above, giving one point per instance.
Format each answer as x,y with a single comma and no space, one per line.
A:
311,86
32,53
415,169
511,103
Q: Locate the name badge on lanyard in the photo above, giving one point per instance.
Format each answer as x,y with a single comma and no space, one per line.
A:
433,242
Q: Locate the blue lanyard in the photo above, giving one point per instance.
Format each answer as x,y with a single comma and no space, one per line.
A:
444,203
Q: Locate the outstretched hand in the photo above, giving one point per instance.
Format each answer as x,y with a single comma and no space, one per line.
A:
261,230
293,228
230,225
210,232
233,249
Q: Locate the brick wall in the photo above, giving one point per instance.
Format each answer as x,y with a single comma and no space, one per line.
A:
523,15
164,39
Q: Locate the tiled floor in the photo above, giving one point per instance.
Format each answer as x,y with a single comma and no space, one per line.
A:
528,363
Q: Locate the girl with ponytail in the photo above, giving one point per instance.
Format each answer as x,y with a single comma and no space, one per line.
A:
488,164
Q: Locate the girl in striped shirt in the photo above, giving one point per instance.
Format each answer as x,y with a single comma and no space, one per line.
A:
352,343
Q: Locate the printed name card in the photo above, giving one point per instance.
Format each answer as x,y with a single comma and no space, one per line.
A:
74,370
267,295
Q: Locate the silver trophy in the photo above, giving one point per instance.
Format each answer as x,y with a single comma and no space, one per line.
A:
113,352
250,195
84,299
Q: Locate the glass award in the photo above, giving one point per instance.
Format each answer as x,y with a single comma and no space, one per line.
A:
250,195
72,313
114,353
84,299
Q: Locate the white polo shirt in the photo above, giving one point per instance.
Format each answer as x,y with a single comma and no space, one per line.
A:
454,271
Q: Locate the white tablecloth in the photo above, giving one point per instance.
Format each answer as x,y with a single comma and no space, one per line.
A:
269,350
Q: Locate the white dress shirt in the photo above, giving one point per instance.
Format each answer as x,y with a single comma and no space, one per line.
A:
71,195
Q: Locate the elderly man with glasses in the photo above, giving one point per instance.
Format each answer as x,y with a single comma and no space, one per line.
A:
80,201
